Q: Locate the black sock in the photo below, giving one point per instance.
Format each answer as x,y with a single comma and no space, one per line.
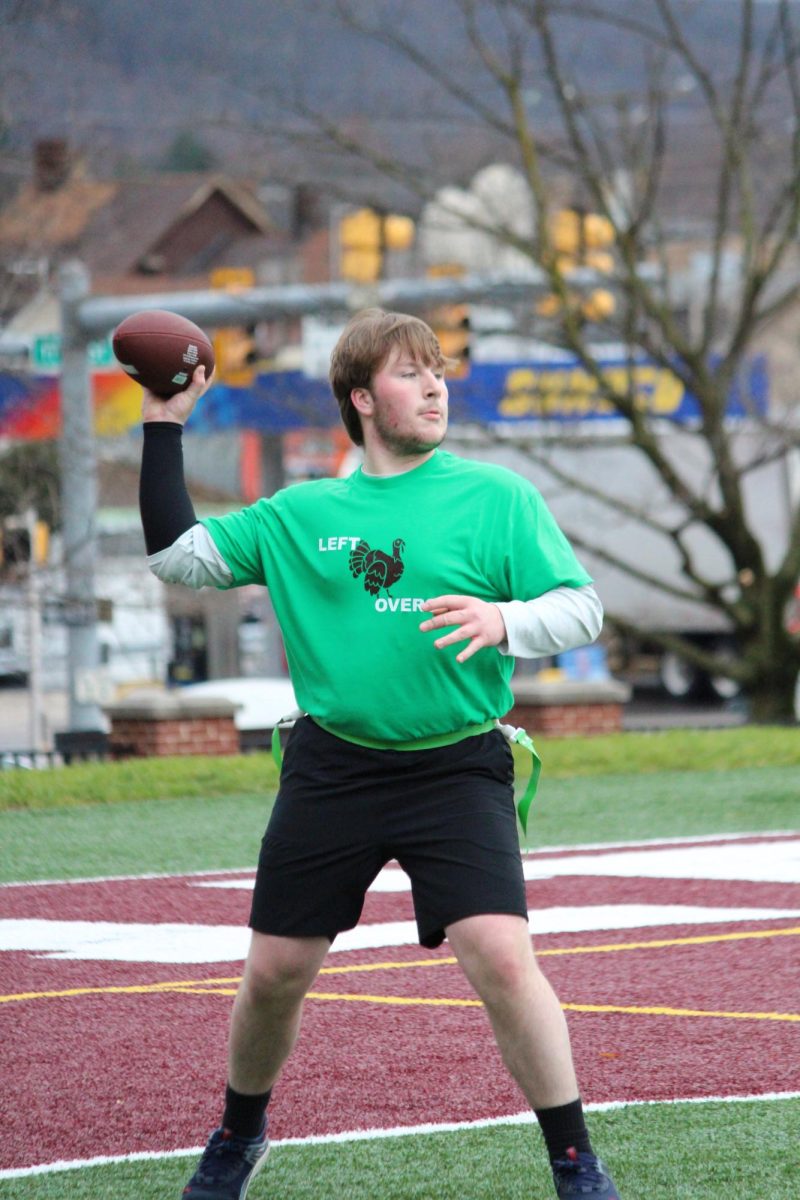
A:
562,1127
244,1115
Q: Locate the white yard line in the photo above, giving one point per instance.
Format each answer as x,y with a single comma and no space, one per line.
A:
579,847
360,1135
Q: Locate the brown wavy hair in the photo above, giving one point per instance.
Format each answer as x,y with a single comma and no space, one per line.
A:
365,344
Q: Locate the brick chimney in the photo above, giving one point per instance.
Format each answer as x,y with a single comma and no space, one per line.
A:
306,210
52,164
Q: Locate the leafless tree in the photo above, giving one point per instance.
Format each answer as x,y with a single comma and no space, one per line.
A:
701,150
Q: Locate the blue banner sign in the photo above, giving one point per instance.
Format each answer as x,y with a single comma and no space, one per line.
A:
493,392
508,393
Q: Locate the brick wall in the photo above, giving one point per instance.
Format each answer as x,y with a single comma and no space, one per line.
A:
563,720
167,725
568,708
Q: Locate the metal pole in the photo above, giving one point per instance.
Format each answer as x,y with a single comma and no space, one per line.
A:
99,314
274,478
35,703
78,501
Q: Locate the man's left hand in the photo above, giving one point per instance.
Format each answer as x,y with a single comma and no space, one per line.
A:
478,621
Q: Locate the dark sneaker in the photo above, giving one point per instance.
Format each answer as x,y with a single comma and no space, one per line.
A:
227,1166
579,1174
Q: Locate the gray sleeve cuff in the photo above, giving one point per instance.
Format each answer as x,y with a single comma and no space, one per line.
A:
193,560
559,620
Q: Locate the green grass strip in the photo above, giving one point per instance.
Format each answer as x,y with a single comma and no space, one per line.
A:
207,833
133,838
615,808
136,779
740,1151
615,754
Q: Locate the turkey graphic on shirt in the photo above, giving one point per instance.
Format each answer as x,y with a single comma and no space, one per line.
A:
381,571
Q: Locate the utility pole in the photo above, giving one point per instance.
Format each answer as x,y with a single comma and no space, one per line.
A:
36,707
78,502
273,479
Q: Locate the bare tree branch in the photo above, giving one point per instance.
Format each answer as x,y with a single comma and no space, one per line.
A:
470,97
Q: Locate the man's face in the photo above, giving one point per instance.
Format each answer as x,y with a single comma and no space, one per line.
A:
410,404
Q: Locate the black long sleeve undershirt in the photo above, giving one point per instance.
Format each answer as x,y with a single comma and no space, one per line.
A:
164,503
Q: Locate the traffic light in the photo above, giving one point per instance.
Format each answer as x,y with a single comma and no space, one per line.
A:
365,236
598,305
581,239
597,240
15,548
236,354
235,350
451,324
360,246
566,237
23,542
41,542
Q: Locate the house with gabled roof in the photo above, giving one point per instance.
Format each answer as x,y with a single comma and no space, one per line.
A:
147,233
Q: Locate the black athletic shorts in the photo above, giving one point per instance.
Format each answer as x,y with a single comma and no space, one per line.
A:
343,811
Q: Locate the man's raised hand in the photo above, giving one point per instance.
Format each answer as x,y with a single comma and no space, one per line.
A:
478,621
177,408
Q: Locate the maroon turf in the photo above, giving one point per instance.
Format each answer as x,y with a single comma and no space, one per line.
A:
370,1064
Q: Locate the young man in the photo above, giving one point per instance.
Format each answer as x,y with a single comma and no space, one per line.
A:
403,593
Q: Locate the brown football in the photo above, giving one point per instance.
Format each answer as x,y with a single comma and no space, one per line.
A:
161,349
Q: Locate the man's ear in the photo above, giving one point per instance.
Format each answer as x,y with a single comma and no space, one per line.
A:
361,399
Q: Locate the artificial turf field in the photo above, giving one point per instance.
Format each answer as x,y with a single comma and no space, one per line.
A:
407,1045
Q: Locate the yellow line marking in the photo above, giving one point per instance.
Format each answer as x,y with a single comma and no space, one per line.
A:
437,1001
604,948
131,989
458,1002
659,943
659,1011
210,988
640,1010
389,966
199,986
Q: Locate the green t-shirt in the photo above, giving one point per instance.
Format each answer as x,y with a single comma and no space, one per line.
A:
349,562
